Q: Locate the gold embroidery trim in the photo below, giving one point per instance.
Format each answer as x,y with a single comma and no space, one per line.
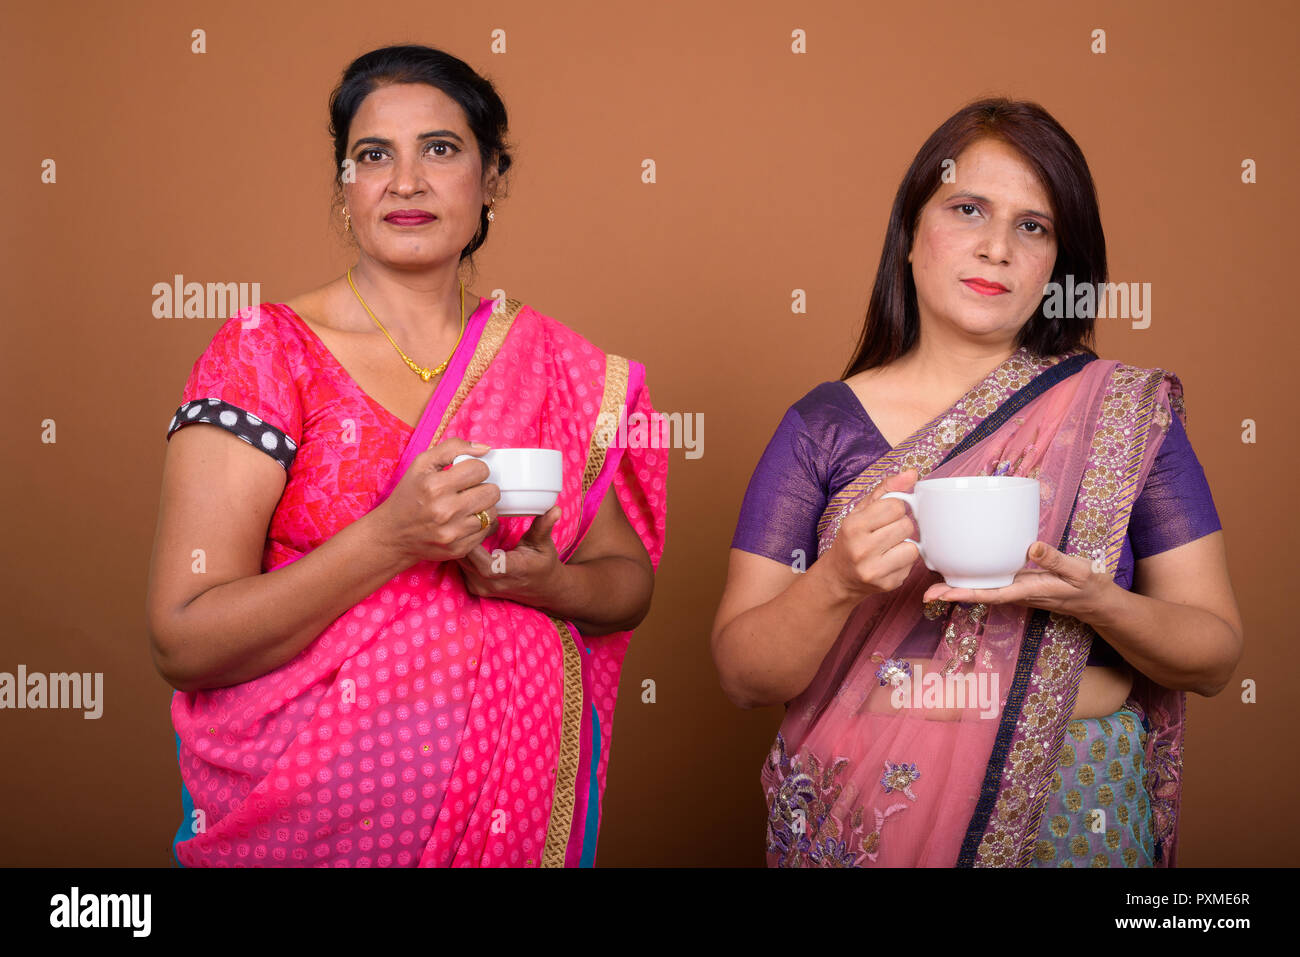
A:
489,344
1013,827
1137,452
564,798
616,374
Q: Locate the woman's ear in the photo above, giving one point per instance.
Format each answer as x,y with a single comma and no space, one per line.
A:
491,181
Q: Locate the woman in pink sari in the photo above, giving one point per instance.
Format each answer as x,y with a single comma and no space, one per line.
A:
372,667
1038,724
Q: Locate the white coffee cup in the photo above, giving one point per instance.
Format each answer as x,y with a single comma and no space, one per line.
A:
530,479
975,530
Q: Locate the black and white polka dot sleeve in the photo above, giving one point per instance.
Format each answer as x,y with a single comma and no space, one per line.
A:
256,432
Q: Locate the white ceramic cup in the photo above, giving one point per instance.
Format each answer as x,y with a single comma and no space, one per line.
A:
530,479
976,529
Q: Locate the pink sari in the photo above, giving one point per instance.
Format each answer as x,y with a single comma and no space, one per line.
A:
428,726
854,780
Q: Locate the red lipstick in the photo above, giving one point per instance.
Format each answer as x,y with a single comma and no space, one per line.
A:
984,287
409,217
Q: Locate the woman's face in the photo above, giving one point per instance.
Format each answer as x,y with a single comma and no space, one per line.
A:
414,155
990,228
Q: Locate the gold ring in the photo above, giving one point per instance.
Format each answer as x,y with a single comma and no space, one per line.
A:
483,519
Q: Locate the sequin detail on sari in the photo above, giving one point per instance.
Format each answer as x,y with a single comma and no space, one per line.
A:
799,826
900,777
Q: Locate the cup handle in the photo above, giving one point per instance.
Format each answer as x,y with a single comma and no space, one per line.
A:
909,498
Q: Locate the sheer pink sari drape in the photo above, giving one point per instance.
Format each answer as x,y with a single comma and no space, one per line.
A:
958,775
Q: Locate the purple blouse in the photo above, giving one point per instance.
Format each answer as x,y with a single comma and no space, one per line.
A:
827,439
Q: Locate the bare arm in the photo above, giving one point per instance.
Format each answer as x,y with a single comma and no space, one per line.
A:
774,627
609,579
1180,625
215,619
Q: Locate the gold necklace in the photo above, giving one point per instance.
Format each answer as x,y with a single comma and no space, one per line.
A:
423,373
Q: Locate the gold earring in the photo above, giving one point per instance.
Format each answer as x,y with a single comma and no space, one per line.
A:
492,211
347,220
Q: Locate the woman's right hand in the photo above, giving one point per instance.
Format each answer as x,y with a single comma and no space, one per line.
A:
432,513
869,554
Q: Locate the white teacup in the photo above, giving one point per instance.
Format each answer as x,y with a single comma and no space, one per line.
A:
976,529
530,479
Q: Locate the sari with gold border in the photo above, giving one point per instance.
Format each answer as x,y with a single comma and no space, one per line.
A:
426,726
843,771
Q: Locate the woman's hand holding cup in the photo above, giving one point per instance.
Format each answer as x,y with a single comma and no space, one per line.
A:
432,514
871,553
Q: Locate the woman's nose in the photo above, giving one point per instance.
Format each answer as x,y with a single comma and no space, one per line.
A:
407,177
994,244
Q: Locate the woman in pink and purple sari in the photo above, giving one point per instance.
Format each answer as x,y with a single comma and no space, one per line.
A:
372,667
1038,724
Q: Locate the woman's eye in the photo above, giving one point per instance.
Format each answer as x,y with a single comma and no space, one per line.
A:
442,145
968,206
1038,227
369,153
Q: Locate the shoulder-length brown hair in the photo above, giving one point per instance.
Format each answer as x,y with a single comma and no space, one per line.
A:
892,324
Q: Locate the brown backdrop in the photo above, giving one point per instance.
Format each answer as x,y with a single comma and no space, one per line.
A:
775,172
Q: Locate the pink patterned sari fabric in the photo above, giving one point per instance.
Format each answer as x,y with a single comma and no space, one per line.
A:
958,774
426,726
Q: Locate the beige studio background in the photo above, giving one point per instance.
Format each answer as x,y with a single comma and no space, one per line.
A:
775,172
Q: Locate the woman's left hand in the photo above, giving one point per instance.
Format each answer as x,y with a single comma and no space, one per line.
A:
1067,584
528,573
